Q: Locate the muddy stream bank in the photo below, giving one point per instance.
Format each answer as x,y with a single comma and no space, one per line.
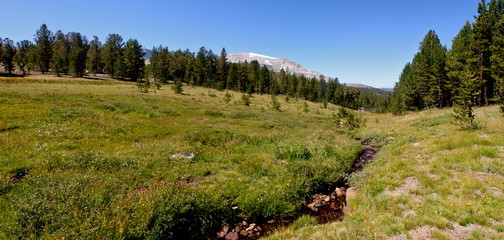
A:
325,207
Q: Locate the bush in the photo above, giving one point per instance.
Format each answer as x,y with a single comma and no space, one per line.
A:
275,104
245,99
227,98
502,109
347,119
187,214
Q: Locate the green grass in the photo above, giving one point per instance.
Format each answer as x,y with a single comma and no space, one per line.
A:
97,159
459,176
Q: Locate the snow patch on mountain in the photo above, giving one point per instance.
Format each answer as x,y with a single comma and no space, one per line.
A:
275,64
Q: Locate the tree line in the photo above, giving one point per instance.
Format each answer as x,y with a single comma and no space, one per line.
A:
72,54
470,74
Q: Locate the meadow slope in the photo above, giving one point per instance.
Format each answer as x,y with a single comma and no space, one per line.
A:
433,181
97,159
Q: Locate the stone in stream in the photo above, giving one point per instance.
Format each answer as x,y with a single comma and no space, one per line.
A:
223,232
232,236
244,233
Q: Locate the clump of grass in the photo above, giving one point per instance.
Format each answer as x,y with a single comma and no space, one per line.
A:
214,113
304,221
432,121
187,214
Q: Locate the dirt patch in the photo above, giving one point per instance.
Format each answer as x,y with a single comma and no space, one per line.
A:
410,183
457,231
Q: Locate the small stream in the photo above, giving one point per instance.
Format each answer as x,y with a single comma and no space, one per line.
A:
325,207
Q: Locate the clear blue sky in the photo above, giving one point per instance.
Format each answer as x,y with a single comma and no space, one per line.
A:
366,41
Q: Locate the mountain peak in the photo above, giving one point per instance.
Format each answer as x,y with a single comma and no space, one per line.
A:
275,64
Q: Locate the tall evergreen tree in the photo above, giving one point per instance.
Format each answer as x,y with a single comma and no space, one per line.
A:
94,59
8,53
61,53
160,64
43,40
457,60
77,54
222,69
112,55
497,50
429,71
22,55
134,62
1,43
481,47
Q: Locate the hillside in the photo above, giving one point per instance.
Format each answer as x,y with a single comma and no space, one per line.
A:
97,159
433,181
276,64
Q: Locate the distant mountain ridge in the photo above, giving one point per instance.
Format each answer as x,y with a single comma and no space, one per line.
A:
275,64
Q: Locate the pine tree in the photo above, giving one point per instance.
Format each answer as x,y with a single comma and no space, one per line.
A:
231,77
457,60
94,59
22,54
61,53
429,71
497,52
160,64
465,102
1,44
177,86
112,55
43,40
222,69
77,53
8,53
481,47
134,63
275,104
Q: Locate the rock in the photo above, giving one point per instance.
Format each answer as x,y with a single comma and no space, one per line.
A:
244,224
232,236
183,156
416,144
244,233
351,193
478,193
251,228
271,221
222,233
327,199
340,192
259,228
234,207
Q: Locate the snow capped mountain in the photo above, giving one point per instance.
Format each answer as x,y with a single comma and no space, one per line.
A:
275,64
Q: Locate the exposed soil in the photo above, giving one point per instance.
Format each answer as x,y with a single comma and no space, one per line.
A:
325,207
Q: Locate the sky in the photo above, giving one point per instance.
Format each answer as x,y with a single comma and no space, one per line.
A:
366,41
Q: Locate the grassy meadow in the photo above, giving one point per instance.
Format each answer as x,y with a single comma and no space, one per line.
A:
97,159
433,181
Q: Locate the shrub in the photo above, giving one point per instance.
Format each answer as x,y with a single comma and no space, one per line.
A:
275,104
187,214
177,86
245,99
305,107
267,201
227,98
502,109
347,119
